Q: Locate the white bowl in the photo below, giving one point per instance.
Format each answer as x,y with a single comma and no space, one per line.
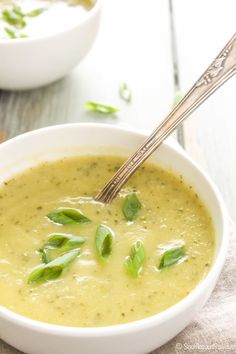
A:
137,337
27,63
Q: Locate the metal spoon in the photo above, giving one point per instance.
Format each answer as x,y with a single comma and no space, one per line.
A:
221,69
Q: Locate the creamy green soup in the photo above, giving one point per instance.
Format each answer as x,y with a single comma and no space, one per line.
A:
96,291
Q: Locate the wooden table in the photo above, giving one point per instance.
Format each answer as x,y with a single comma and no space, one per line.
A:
157,49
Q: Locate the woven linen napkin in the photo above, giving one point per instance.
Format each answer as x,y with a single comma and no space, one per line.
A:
213,331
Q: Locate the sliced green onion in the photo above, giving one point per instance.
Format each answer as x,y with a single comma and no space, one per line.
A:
53,269
131,206
35,12
68,216
17,10
171,257
100,108
13,18
103,241
11,34
135,260
125,92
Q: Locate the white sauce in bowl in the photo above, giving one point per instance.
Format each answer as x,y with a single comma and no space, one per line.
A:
57,16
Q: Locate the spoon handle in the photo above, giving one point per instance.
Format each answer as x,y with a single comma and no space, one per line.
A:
220,70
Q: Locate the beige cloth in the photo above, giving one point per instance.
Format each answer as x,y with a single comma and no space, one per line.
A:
214,330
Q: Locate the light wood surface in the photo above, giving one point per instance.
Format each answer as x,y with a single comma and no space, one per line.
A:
202,29
154,50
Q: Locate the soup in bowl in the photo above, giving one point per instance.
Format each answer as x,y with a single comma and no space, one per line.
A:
80,276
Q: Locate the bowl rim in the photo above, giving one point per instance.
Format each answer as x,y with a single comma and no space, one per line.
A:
24,41
150,321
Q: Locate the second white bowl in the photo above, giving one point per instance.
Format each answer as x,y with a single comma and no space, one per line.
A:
27,63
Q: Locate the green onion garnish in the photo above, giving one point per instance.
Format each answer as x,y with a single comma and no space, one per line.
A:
53,269
125,92
171,257
131,206
135,260
100,108
103,241
68,216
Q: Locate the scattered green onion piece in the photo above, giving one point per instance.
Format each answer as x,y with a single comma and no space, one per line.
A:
125,92
135,260
171,257
100,108
35,12
64,241
53,269
13,18
103,241
68,216
131,206
22,35
17,10
11,34
16,17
